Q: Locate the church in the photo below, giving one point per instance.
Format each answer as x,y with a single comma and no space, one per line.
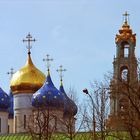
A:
31,93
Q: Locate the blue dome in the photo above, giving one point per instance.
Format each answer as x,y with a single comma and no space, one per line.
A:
48,95
70,107
4,100
11,108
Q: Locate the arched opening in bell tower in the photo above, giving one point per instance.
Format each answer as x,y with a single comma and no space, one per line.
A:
123,108
124,50
124,74
123,104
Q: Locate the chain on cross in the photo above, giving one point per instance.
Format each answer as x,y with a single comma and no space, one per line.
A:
61,70
29,39
126,16
11,72
48,60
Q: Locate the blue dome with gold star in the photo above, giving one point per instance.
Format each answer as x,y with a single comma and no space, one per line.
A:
11,107
70,108
4,100
48,95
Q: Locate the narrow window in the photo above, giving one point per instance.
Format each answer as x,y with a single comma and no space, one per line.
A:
24,121
15,124
8,128
0,125
55,123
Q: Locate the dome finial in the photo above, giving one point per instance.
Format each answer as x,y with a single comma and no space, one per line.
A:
11,72
126,17
47,59
61,70
29,39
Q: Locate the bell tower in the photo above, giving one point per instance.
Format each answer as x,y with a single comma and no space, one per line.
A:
124,76
125,63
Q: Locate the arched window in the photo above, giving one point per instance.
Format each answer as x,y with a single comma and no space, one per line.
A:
124,51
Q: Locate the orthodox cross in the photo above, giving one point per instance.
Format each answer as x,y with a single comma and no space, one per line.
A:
11,72
61,70
29,39
126,16
47,59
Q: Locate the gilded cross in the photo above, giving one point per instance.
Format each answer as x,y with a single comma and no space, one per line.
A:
61,70
126,15
48,59
29,39
11,72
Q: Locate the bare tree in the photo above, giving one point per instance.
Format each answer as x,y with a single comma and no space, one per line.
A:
97,115
42,124
72,124
99,106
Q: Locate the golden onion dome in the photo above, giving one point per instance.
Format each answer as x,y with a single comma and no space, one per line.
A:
28,79
125,33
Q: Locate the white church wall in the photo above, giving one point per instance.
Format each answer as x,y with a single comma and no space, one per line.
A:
3,122
10,125
22,111
55,118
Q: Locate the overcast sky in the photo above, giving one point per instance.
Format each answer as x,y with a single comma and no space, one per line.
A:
79,34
